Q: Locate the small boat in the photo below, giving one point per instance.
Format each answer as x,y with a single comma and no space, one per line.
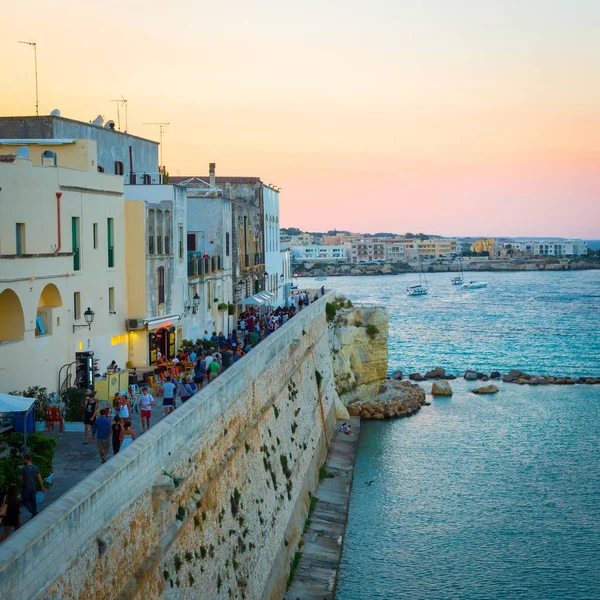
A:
421,288
474,285
321,278
459,279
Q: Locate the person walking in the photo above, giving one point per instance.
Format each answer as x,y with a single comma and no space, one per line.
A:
12,517
169,388
103,429
187,389
227,357
127,435
90,406
117,429
30,476
146,401
214,368
124,407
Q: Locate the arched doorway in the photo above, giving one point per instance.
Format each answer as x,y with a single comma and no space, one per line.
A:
163,341
12,320
49,300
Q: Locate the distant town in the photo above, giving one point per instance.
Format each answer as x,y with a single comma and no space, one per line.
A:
343,252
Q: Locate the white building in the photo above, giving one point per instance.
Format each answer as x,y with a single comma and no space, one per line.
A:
558,248
63,250
275,277
320,253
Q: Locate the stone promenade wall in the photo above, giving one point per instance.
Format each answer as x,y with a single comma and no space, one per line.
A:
210,503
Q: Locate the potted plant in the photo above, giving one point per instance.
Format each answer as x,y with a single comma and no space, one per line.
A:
73,400
223,306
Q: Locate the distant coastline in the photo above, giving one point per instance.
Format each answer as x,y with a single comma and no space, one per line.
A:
350,269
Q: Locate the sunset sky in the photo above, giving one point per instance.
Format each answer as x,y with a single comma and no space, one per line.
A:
456,117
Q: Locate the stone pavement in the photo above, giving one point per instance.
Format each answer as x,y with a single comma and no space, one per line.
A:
73,460
316,574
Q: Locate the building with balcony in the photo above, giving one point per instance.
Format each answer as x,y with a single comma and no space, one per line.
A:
368,250
62,236
330,253
277,272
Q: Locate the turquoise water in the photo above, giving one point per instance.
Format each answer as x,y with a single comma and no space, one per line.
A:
482,497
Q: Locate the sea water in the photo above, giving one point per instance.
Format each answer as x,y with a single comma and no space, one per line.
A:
482,497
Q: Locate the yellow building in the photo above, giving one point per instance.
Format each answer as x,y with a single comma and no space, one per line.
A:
62,251
483,246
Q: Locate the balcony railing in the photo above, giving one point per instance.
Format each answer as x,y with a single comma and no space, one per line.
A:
199,266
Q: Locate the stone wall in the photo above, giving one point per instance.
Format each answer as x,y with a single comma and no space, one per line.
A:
360,353
209,503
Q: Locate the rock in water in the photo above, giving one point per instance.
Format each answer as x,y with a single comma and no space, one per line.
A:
397,376
396,399
514,375
437,373
495,375
441,388
486,389
470,375
416,377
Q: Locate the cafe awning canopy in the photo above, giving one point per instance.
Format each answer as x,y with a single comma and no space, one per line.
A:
255,300
15,404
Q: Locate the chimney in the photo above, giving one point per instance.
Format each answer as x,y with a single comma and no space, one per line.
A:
211,172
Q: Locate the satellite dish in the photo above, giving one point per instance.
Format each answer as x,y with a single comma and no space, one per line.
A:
22,152
55,113
98,121
109,125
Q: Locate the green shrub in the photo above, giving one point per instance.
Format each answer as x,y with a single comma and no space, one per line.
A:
349,304
187,345
358,324
74,399
372,331
42,400
41,449
231,309
223,306
330,311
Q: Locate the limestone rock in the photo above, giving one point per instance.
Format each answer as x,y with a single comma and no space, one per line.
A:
341,412
397,376
470,375
416,377
441,388
495,375
486,389
437,373
396,399
513,375
360,361
481,376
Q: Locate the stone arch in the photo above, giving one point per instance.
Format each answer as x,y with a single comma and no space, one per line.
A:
12,320
50,299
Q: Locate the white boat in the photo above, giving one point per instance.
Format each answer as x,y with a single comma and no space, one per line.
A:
474,285
321,278
459,279
421,288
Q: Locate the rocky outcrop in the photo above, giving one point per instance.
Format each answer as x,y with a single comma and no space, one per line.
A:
358,341
470,375
437,373
416,377
395,399
486,389
441,388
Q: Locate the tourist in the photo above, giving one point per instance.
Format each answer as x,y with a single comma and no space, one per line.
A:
254,338
103,430
112,367
124,407
146,402
169,388
205,336
237,354
127,435
214,339
30,477
322,290
192,356
117,429
12,517
199,371
227,357
90,406
187,389
222,340
214,368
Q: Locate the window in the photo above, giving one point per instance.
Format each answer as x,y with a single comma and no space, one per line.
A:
119,168
180,242
110,235
118,339
161,285
75,237
77,306
167,232
227,243
151,231
20,238
146,180
48,158
100,169
111,299
159,232
95,235
191,242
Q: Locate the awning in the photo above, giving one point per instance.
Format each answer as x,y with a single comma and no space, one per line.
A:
254,301
159,322
10,404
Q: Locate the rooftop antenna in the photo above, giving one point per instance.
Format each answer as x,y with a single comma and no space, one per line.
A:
161,127
123,102
37,102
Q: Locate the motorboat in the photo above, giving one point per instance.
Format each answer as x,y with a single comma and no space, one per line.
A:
474,285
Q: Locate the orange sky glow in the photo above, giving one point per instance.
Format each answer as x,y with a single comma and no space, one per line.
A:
455,117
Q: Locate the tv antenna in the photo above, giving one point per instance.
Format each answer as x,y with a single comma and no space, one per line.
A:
121,102
161,127
37,103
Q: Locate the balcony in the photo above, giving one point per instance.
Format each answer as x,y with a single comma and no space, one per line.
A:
200,265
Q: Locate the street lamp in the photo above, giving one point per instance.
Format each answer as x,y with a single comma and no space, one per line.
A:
88,316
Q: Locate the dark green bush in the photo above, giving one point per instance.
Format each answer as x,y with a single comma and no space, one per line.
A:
74,399
372,331
42,400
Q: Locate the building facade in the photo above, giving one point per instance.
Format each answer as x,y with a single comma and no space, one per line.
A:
274,265
62,251
320,253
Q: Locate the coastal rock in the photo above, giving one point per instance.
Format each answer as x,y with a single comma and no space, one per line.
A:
396,399
437,373
441,388
397,376
341,412
514,375
470,375
481,375
449,377
360,361
569,381
486,389
416,377
495,375
559,381
591,380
